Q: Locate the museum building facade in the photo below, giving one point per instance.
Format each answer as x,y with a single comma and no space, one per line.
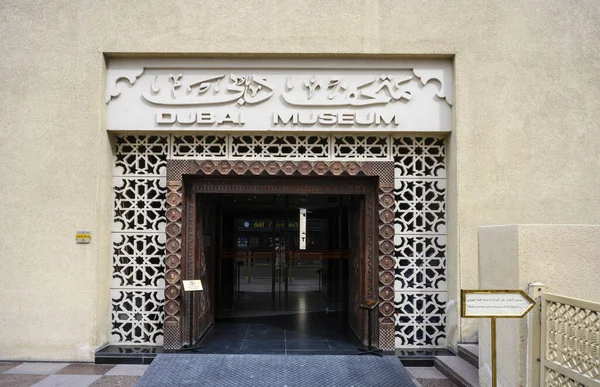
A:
187,131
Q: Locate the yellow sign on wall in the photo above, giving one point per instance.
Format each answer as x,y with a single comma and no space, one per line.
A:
83,236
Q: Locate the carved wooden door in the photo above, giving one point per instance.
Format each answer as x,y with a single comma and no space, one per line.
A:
204,263
356,250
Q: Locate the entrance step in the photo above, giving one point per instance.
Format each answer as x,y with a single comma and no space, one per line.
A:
126,354
469,352
460,371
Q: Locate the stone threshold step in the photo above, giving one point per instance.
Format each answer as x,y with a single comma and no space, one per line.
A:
469,352
458,370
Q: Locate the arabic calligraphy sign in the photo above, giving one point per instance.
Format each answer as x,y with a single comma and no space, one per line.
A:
317,95
495,303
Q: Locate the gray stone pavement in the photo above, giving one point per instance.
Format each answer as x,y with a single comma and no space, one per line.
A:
26,374
19,374
429,377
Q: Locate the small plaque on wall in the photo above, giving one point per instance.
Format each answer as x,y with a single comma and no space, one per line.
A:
192,285
83,236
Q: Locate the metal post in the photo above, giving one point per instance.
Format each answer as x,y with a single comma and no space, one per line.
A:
273,254
287,251
238,264
340,263
494,370
534,322
319,274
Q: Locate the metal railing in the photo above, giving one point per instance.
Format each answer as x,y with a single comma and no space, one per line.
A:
564,342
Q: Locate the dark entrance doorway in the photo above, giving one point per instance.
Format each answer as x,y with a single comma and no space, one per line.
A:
263,268
191,235
280,264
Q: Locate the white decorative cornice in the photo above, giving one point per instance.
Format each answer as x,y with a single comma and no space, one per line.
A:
442,77
130,75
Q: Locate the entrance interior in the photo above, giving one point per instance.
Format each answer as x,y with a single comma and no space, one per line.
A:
280,284
264,270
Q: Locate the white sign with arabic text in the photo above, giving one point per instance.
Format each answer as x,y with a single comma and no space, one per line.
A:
279,95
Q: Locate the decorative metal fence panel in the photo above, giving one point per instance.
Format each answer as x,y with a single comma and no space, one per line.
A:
570,342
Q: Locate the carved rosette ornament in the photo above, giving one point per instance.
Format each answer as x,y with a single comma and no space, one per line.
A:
386,266
172,334
379,232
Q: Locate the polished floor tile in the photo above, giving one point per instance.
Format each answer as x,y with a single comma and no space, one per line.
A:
15,380
116,381
5,366
299,335
263,345
85,369
317,332
127,370
67,381
37,368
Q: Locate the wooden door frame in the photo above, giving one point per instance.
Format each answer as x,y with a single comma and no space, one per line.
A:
187,178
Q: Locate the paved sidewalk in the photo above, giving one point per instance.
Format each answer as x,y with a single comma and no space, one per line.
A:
19,374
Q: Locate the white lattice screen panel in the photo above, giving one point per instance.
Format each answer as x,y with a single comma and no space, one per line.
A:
570,342
361,147
141,156
138,239
419,157
420,319
556,379
139,203
138,260
199,147
420,262
420,220
420,241
280,147
137,316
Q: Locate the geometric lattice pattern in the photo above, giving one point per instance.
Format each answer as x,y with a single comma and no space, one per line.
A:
280,147
556,379
420,319
419,157
420,262
138,260
140,156
137,316
572,341
420,241
198,147
139,204
139,212
420,206
138,239
361,147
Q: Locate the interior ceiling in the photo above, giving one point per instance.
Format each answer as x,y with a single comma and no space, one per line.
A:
279,201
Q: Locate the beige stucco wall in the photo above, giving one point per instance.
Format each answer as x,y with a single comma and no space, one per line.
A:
564,258
523,149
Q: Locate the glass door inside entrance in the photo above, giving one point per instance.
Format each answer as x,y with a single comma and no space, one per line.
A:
270,262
